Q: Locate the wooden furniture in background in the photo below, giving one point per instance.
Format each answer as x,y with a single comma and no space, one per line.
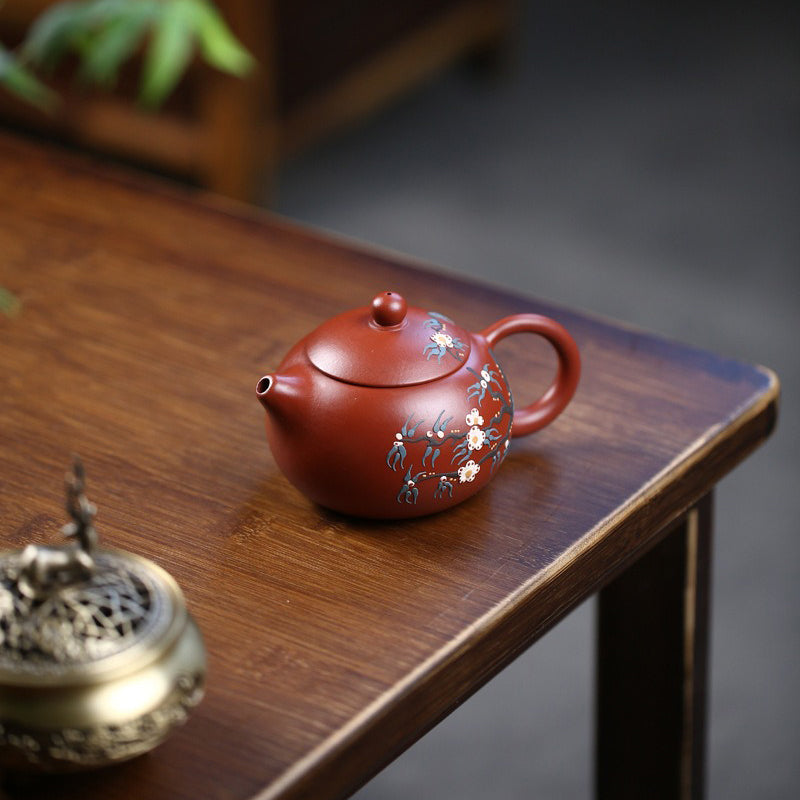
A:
323,64
147,317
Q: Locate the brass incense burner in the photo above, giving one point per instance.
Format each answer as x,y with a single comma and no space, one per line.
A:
99,658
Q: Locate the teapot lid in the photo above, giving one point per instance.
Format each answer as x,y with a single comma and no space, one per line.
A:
388,344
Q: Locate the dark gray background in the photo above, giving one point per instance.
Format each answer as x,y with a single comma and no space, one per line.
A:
642,164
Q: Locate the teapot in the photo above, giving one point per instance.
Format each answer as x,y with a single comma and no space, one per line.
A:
389,411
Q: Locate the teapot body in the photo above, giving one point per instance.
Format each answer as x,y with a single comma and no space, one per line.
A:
391,452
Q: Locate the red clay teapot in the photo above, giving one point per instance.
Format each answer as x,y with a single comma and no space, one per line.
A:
390,411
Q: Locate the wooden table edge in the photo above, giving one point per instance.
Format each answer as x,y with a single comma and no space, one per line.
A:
722,446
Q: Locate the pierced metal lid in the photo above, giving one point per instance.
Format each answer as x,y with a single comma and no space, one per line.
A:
73,613
388,344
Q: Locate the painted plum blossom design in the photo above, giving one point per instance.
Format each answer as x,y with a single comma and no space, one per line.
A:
442,342
475,438
474,417
467,473
470,444
485,380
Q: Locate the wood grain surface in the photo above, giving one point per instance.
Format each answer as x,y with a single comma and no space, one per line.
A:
147,317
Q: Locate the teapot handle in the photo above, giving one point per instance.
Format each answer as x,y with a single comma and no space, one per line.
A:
540,413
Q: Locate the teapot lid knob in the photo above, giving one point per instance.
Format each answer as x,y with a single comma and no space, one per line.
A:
388,309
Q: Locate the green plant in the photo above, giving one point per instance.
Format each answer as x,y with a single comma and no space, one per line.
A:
19,80
104,34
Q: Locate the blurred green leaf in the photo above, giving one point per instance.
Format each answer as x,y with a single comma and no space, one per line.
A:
106,33
52,34
218,45
115,43
169,52
9,303
19,80
100,11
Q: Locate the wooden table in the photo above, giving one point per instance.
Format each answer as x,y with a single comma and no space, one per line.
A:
146,318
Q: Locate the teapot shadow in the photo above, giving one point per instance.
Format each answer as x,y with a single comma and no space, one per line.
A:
275,501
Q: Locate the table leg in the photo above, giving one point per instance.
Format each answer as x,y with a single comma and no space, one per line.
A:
651,668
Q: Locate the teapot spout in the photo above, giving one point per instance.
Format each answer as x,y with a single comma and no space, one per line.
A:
279,393
263,390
